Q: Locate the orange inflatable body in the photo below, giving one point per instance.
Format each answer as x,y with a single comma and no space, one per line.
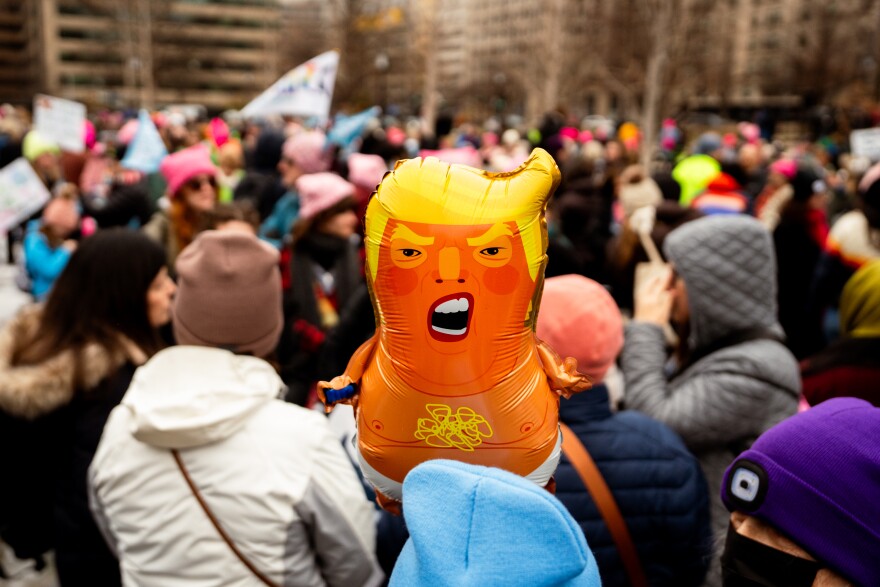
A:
455,264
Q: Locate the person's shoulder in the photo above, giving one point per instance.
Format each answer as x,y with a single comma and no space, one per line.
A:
759,351
764,362
641,432
302,426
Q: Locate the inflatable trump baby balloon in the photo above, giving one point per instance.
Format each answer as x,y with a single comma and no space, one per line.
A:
455,265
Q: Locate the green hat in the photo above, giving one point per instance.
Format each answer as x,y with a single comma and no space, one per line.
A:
36,144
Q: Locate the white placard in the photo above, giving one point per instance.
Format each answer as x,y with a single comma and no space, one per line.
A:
21,193
61,121
865,143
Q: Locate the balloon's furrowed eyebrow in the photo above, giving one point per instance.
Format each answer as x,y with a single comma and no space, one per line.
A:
404,232
497,230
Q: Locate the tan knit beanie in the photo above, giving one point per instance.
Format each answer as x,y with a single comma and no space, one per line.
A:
229,294
636,189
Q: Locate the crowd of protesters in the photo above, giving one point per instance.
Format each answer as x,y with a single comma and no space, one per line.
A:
158,405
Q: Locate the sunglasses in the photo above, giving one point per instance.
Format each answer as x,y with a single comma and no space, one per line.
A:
196,183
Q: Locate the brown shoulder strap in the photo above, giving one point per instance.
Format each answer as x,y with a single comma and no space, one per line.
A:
604,500
195,491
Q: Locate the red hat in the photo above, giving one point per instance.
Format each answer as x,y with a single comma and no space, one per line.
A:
579,319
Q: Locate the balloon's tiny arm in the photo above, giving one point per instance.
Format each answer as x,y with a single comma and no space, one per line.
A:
344,388
562,375
334,396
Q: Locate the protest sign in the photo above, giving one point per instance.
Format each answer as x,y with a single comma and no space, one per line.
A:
21,193
61,121
866,143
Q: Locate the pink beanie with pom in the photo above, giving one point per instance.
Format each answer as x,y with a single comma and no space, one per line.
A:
182,166
307,150
786,167
321,191
366,171
125,134
579,319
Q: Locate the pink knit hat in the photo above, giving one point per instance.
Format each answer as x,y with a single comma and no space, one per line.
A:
62,214
180,167
569,132
785,167
125,134
229,294
321,191
366,171
579,319
308,151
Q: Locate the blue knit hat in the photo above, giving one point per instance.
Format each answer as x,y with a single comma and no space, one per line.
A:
472,525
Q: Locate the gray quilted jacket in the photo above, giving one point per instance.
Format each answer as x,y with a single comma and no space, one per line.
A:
722,402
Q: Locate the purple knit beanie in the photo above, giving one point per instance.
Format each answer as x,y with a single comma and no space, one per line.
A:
816,478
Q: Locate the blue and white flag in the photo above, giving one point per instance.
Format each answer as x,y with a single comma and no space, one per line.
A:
146,150
346,129
304,91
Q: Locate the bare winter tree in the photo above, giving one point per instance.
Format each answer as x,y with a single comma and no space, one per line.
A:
834,45
658,51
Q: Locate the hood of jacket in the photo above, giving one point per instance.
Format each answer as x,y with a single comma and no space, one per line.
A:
31,391
188,396
729,269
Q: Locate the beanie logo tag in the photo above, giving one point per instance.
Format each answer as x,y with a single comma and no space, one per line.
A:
748,485
745,485
464,429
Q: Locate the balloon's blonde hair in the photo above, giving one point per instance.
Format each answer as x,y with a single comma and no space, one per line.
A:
429,191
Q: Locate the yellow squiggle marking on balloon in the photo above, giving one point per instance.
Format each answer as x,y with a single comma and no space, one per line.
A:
464,429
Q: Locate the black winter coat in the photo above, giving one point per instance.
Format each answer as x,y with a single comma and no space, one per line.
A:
55,425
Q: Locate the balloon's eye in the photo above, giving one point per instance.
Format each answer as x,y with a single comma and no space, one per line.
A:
411,253
497,254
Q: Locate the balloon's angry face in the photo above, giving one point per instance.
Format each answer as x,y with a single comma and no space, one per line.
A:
453,298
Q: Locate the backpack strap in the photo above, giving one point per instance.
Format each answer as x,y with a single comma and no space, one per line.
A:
598,489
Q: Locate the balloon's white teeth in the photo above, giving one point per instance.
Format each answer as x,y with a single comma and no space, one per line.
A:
448,307
448,331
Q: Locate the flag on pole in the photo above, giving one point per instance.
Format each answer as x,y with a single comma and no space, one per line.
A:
346,129
146,150
305,90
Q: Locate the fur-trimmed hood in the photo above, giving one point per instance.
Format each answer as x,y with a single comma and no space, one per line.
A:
31,391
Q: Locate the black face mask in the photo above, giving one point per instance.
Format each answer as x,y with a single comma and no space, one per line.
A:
748,563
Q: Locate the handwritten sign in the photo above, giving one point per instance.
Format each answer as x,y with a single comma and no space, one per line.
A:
21,193
62,121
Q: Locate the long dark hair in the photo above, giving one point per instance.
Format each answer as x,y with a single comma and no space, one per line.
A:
101,294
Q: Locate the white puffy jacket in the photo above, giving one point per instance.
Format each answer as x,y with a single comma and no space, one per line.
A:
274,475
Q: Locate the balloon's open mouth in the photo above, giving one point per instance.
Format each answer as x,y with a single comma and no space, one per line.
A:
449,317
